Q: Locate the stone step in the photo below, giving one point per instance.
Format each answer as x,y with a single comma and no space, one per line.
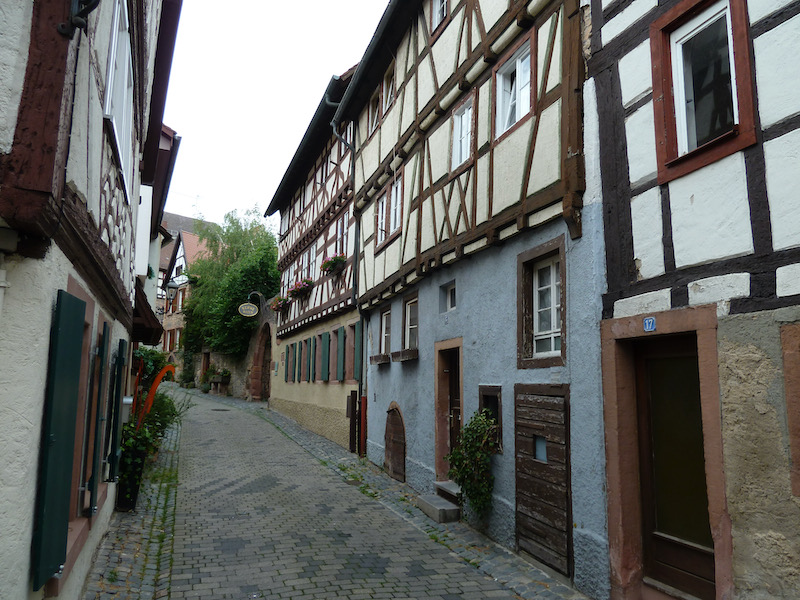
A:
449,490
439,509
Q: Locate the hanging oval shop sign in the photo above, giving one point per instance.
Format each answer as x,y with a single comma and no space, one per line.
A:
248,309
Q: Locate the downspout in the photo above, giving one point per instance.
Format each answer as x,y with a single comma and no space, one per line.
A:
3,281
356,248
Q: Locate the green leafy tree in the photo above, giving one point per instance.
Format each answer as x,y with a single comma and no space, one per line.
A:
241,258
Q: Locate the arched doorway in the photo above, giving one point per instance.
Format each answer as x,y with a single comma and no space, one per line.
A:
259,386
395,444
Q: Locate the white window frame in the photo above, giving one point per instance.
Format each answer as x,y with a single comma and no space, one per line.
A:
386,332
438,13
395,205
380,224
462,134
118,105
513,91
341,233
450,299
552,333
389,89
685,127
410,332
374,112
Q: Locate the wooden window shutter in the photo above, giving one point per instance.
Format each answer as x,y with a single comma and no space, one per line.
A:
49,545
286,365
357,353
116,404
294,360
299,362
94,480
314,358
326,353
308,360
340,354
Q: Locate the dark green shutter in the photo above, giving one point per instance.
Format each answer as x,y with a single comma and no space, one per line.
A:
116,403
357,354
314,358
294,360
326,353
299,362
49,545
286,365
340,354
308,359
94,480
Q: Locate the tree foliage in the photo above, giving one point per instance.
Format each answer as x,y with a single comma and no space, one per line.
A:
471,461
241,257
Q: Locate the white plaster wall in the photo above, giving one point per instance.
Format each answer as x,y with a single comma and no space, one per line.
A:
24,344
142,229
14,43
439,149
482,191
782,156
626,18
426,88
711,213
484,113
509,168
410,249
635,75
778,87
719,289
554,76
492,10
445,51
648,247
758,9
641,139
787,280
546,166
657,301
591,145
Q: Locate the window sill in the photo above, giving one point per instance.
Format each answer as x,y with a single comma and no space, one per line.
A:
405,355
385,243
540,362
379,359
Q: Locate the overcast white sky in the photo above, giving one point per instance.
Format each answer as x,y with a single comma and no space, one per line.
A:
246,80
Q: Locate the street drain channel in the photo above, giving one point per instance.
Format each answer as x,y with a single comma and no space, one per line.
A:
221,409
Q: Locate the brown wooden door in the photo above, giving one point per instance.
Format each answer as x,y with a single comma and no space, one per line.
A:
395,444
543,520
677,544
453,395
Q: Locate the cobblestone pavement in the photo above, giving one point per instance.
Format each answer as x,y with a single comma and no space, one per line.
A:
264,510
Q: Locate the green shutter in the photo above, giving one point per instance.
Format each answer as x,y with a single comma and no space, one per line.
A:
326,353
357,354
49,545
299,362
116,403
286,365
294,360
314,358
340,354
94,480
308,359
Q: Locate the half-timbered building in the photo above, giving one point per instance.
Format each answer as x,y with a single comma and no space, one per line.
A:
480,265
318,327
696,106
82,170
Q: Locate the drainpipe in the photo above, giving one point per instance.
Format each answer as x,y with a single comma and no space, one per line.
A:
356,246
3,282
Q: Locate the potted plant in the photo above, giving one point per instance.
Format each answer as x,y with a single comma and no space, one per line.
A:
302,288
331,265
225,376
281,304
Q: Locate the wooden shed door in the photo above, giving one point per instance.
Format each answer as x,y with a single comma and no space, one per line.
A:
395,443
543,489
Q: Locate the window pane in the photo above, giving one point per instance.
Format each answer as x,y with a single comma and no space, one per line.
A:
543,345
707,79
544,323
543,298
412,314
524,70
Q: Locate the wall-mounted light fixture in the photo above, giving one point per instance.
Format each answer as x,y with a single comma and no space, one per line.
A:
79,10
172,290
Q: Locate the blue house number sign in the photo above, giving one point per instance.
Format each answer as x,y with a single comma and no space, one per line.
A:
649,323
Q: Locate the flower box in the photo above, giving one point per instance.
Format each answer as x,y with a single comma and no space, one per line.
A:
280,304
331,265
301,289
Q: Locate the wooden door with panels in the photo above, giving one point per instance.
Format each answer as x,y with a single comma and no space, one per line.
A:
543,497
677,545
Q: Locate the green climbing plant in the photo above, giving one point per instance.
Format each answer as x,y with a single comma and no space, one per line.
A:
471,461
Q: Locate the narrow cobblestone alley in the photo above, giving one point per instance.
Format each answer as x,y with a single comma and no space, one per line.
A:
264,510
